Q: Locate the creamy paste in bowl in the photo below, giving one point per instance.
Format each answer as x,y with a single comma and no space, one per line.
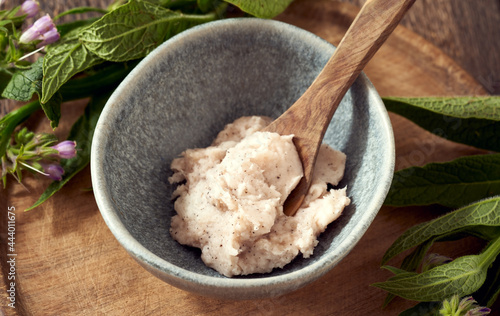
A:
230,195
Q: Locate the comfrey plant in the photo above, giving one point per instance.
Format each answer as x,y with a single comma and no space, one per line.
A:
37,153
26,151
465,307
17,40
43,30
45,62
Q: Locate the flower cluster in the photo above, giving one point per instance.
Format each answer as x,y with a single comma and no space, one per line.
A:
43,30
465,307
37,153
17,41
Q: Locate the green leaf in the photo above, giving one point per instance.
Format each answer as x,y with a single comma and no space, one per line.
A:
487,107
397,272
412,261
488,293
472,121
81,132
63,60
423,309
25,83
80,10
11,120
5,77
262,8
483,213
13,16
207,5
133,30
115,4
52,109
452,184
463,276
65,28
106,78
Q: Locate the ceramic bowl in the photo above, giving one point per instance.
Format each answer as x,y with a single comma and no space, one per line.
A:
180,96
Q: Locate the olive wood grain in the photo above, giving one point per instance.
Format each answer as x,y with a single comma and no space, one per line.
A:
308,118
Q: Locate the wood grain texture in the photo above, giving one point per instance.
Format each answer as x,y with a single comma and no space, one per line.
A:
372,26
467,31
69,263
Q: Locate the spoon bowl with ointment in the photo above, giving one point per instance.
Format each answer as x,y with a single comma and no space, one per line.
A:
181,96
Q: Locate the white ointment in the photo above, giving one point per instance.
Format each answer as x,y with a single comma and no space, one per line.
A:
230,197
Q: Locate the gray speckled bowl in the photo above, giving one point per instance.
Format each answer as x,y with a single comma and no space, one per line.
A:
181,96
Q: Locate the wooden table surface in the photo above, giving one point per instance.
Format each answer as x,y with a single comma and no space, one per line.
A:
467,31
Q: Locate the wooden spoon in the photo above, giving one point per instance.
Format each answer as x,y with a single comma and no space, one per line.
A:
308,118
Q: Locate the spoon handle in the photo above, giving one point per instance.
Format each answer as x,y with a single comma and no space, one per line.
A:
372,26
309,117
374,23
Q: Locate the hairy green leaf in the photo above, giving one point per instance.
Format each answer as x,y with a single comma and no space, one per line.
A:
81,132
483,213
262,8
106,78
472,121
412,261
52,109
487,107
64,60
452,184
66,28
463,276
133,30
25,83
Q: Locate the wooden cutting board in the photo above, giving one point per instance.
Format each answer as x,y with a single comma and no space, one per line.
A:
68,262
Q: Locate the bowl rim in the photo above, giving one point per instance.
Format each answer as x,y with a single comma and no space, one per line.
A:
304,275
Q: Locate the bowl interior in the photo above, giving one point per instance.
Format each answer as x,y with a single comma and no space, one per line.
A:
184,93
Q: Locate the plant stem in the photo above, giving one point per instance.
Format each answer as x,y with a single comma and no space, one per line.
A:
491,252
9,122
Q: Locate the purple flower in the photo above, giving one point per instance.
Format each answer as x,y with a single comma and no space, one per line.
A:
66,149
30,8
433,260
478,311
51,36
53,171
466,303
42,29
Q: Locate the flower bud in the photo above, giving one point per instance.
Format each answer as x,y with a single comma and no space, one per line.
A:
433,260
466,303
53,171
30,8
49,37
467,307
42,29
66,149
478,311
